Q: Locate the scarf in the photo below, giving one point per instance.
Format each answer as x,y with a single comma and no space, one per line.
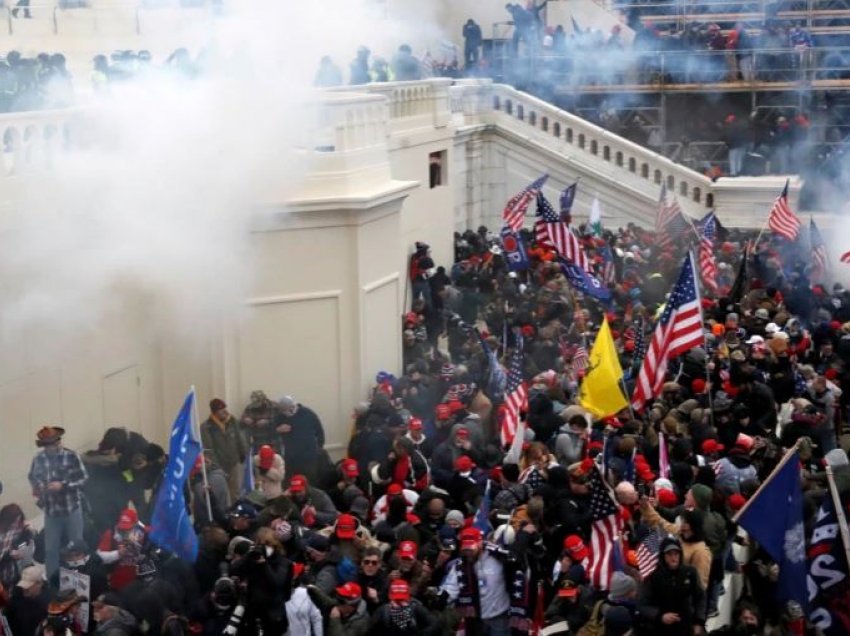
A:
468,602
518,581
401,617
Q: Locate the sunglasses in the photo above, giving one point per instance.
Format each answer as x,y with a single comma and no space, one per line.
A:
370,562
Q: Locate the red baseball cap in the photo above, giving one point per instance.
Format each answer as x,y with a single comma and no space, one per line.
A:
298,483
350,468
266,457
712,446
394,489
464,464
407,550
399,590
470,537
462,432
346,526
443,411
128,519
667,498
349,591
568,589
415,424
737,501
575,546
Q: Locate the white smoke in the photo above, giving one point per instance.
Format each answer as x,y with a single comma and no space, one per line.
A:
158,202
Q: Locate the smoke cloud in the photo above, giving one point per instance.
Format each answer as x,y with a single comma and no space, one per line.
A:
158,203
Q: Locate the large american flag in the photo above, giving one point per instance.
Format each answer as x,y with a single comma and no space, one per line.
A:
678,330
781,219
604,531
707,264
516,397
515,208
647,553
670,223
818,247
550,231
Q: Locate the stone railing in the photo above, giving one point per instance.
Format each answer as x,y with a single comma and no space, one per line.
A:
533,117
32,140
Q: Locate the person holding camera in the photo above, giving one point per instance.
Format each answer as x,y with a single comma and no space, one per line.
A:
267,574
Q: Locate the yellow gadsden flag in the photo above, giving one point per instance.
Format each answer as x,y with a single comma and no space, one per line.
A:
601,393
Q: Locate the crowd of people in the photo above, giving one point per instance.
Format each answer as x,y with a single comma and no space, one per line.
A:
435,521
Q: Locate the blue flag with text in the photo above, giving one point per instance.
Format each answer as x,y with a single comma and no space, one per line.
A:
171,526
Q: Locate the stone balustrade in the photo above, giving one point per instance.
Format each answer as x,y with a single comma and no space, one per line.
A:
32,140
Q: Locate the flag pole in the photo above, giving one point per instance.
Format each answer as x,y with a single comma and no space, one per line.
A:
197,425
764,484
839,511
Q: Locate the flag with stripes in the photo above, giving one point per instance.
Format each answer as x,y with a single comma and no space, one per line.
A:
514,211
679,330
516,397
818,247
647,553
604,531
663,461
670,223
496,378
707,264
781,219
550,231
580,359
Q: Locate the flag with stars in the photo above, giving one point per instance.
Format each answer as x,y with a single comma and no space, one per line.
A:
552,232
604,531
516,397
707,263
774,518
514,212
678,330
647,553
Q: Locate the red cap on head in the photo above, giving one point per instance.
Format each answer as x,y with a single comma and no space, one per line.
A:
667,498
350,468
698,386
297,569
737,501
464,464
470,537
576,548
710,446
399,590
349,591
407,550
298,483
394,489
415,424
128,519
463,433
346,526
443,412
266,457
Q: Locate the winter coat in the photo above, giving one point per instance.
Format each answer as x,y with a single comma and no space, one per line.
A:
301,444
304,617
269,583
355,625
25,614
732,471
224,442
122,624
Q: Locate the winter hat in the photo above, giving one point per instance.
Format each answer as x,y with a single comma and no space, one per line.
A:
702,495
622,585
454,515
667,498
216,404
265,457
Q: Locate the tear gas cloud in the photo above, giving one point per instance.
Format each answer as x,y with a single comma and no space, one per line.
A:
157,204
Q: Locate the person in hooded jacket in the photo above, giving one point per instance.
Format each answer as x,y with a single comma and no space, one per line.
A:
111,619
673,599
212,615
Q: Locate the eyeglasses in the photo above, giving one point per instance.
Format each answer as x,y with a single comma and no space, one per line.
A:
370,561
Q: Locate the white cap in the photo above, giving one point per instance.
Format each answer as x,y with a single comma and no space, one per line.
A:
755,340
771,328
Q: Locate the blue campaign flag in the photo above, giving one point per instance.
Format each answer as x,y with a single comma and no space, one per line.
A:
567,198
171,526
248,484
516,257
774,518
482,517
584,282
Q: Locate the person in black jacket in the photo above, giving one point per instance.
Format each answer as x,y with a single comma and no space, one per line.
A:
29,599
403,615
672,598
268,574
302,437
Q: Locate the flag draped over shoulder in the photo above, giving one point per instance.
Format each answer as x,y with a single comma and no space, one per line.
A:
171,526
600,389
774,518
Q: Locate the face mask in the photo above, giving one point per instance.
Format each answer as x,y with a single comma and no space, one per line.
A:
77,563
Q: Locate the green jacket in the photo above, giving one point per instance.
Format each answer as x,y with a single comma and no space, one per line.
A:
227,447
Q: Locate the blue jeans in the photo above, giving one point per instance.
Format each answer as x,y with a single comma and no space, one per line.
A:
59,530
736,160
497,626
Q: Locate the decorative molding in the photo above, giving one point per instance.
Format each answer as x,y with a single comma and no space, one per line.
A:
381,282
293,298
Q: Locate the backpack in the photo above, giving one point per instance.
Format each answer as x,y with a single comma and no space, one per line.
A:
594,626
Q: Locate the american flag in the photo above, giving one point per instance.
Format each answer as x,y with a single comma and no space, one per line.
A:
707,264
647,553
516,397
670,224
514,212
819,258
580,359
604,531
678,330
781,219
551,231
